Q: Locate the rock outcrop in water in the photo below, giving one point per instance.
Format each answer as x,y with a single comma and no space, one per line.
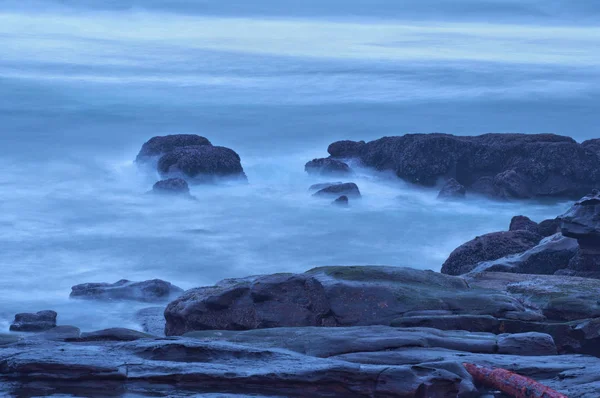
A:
191,157
34,322
575,250
496,165
327,166
172,186
348,189
452,190
152,290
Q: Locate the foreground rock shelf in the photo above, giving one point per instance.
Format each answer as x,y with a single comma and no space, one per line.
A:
368,361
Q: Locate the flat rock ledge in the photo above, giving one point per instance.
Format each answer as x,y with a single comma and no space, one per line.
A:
367,361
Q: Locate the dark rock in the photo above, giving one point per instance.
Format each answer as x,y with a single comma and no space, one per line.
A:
522,223
487,248
549,227
59,333
497,165
327,166
158,146
582,222
329,296
341,201
346,149
176,186
472,323
152,290
318,187
348,189
186,367
549,256
593,145
527,344
201,164
251,303
452,190
38,322
114,334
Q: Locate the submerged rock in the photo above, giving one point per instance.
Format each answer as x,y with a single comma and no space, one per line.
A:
341,201
34,322
348,189
152,290
487,248
202,164
452,190
158,146
496,165
327,166
176,186
322,185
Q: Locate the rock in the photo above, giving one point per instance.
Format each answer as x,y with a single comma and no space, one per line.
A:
472,323
327,166
593,145
487,248
158,146
152,290
59,333
318,187
348,189
560,298
549,227
201,164
345,149
452,190
191,367
522,223
549,256
526,344
114,334
38,322
496,165
582,222
176,186
341,201
329,296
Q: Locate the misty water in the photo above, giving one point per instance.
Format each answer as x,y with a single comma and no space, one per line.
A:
83,84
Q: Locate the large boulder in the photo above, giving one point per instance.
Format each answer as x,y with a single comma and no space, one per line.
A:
158,146
522,223
497,165
348,189
147,291
452,190
553,253
201,164
329,296
34,322
327,166
582,222
487,248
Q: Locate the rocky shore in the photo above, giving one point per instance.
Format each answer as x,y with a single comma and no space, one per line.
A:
523,300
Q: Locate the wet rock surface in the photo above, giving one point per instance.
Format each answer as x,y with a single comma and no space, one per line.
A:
488,247
496,165
327,166
34,322
192,158
348,189
341,201
158,146
152,290
171,186
452,190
